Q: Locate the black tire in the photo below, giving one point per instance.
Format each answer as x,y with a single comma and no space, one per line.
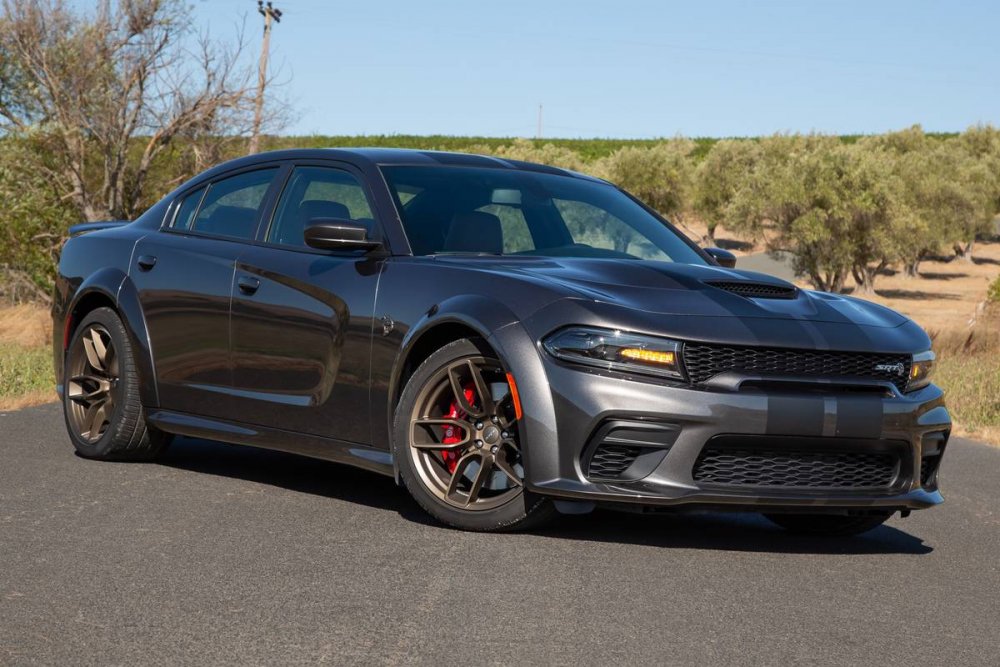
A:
124,433
523,511
829,524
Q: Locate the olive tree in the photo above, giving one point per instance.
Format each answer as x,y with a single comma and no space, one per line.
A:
976,164
527,151
661,176
718,178
829,205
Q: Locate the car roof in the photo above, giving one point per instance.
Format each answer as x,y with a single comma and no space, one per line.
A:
396,156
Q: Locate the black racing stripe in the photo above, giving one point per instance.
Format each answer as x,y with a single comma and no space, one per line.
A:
859,417
795,415
777,332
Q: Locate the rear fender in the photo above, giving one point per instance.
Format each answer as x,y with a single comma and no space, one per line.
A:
115,286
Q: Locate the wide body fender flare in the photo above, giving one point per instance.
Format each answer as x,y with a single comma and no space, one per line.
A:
502,330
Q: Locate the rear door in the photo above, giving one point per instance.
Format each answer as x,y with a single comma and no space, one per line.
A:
184,274
302,318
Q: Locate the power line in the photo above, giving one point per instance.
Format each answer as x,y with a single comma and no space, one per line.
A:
270,13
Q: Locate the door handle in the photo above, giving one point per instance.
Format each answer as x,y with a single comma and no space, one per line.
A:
248,284
146,262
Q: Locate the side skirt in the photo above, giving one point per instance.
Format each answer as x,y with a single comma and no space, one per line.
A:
327,449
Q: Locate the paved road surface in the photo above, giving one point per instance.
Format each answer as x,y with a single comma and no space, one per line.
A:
232,555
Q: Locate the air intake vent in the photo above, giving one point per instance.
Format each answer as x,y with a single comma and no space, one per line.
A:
610,461
755,290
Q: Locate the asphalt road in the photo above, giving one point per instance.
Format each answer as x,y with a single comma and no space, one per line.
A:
225,554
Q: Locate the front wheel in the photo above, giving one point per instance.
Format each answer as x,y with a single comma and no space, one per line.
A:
458,445
829,524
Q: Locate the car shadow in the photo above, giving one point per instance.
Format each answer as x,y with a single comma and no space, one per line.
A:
292,472
719,531
728,531
914,294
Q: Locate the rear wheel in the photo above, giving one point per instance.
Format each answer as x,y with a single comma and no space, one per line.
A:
104,416
458,445
829,524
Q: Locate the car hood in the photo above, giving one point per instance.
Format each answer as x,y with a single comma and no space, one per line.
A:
685,289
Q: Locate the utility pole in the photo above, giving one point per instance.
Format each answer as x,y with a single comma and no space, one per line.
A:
270,13
538,133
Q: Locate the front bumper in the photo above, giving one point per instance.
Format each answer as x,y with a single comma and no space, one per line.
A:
585,402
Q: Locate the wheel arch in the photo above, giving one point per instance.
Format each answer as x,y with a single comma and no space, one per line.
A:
112,288
499,328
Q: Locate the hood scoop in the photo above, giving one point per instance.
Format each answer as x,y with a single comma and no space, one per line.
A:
752,290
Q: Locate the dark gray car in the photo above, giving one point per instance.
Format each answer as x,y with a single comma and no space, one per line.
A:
508,340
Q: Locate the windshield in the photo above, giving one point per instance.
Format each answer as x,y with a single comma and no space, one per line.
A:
476,210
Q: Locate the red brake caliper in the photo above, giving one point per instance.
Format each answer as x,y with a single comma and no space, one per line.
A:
454,434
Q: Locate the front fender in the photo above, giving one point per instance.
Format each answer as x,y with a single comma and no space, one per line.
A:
478,313
516,349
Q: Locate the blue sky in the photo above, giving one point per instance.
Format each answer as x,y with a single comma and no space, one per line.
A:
628,68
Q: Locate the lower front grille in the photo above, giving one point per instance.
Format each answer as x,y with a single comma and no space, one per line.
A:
798,467
610,461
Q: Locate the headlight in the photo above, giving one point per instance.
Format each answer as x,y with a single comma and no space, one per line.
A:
617,351
921,370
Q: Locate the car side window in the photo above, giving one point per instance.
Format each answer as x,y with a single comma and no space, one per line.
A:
187,209
229,207
318,192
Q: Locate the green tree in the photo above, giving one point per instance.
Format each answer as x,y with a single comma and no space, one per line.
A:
719,177
34,222
660,176
526,151
980,173
830,205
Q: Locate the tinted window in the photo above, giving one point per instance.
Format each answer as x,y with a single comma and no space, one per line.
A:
513,226
318,192
518,212
187,209
230,206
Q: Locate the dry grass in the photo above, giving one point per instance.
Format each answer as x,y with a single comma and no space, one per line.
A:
25,325
968,369
25,357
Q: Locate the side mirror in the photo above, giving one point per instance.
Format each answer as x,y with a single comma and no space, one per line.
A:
722,257
337,234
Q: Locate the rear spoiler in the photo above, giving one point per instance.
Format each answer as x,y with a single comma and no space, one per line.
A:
87,227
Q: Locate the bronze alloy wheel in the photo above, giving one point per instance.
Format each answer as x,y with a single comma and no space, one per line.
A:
92,383
463,438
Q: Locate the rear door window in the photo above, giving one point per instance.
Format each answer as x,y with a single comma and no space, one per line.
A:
230,206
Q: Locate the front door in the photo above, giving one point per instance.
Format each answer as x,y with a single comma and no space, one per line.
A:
302,318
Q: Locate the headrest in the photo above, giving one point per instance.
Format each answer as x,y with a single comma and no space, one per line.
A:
321,208
475,231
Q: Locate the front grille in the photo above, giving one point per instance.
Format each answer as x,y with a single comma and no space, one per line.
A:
796,468
705,361
610,461
755,290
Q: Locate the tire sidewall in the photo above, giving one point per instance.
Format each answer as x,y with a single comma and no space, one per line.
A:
512,514
127,383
